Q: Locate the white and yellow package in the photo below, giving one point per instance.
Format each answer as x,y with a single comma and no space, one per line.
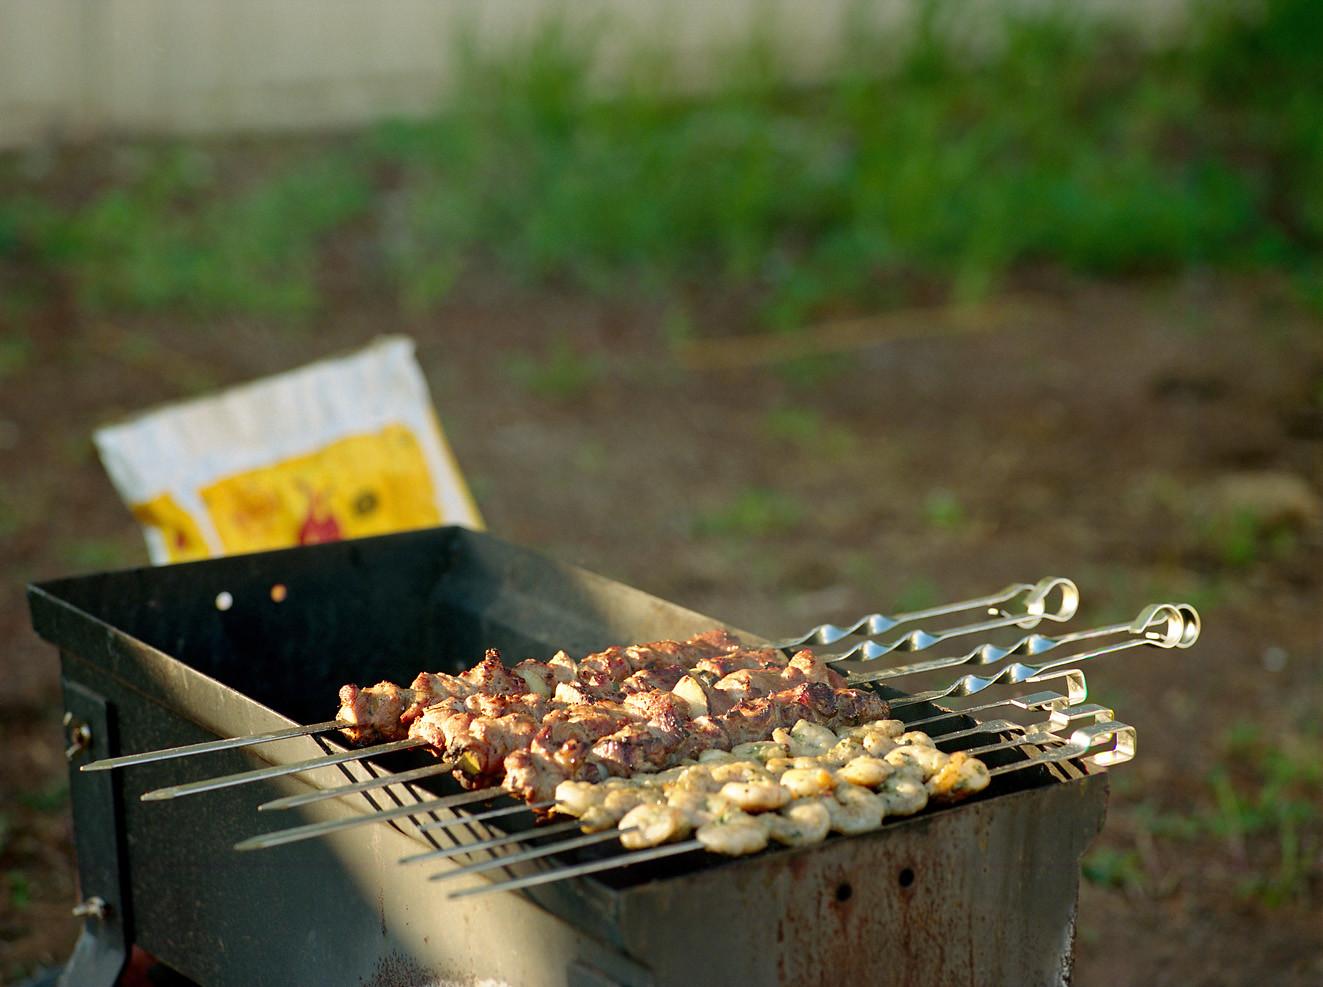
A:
342,448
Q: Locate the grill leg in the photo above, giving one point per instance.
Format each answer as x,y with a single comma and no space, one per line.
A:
102,950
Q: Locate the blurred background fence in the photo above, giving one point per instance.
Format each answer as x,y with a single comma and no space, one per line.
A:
84,69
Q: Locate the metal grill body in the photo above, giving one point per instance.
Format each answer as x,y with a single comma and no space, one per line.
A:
980,893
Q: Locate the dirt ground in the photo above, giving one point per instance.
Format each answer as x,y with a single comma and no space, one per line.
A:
1153,441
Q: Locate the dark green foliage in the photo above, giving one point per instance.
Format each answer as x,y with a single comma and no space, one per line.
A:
1067,142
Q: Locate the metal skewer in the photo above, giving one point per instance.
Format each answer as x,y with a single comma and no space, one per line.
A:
207,746
920,640
876,623
1180,632
1079,744
278,770
466,848
1064,710
381,781
579,870
532,854
1031,645
1057,721
504,810
1077,690
312,830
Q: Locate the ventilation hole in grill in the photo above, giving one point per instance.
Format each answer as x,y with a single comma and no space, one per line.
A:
224,600
844,891
278,593
906,877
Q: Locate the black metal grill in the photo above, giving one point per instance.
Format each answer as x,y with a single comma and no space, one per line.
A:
982,892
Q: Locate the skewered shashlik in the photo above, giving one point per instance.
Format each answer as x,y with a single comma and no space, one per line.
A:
795,789
539,723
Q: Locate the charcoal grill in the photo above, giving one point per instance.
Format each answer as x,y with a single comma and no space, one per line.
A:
983,892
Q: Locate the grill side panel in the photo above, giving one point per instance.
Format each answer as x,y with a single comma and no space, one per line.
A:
986,894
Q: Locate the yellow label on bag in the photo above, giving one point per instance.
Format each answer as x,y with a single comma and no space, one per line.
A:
180,533
361,485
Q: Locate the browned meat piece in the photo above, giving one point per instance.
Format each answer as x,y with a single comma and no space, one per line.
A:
533,776
659,677
705,733
529,702
814,669
748,682
585,722
709,644
579,692
634,748
430,688
374,711
442,725
480,756
722,665
490,675
755,719
610,665
657,704
562,667
538,676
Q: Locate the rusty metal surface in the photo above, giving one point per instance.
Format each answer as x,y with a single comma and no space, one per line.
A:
982,894
992,900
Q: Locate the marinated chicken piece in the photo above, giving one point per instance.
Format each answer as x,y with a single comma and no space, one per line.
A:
652,824
574,798
808,782
927,759
698,807
756,796
717,756
915,737
890,729
801,823
737,771
845,749
806,739
759,750
734,834
903,794
867,771
959,778
616,804
855,810
696,778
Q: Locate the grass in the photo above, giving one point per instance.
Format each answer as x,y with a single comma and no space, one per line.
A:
1070,143
755,512
562,373
1261,805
